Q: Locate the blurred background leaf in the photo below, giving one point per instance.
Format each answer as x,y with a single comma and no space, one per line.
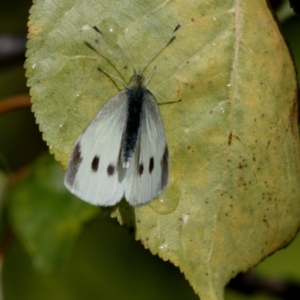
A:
45,216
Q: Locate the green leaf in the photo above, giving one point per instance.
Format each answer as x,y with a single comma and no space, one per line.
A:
233,196
46,216
3,185
105,263
3,216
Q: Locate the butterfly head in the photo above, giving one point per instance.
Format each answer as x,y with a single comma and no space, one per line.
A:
138,79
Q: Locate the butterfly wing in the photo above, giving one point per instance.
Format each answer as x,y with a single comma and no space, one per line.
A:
94,173
148,174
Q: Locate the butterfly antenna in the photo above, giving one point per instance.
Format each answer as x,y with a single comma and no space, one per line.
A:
114,45
161,47
112,76
151,76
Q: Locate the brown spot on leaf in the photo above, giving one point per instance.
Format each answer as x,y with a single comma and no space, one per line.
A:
230,138
293,118
190,149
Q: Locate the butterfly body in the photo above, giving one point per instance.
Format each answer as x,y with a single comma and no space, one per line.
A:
136,97
122,152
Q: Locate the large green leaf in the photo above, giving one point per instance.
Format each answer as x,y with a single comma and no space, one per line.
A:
46,217
3,220
233,196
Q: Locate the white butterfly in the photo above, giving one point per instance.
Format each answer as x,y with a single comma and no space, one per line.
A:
122,152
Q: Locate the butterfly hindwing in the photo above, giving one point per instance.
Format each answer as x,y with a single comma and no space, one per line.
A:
149,171
94,173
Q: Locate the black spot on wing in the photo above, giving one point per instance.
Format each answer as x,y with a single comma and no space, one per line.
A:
141,169
74,164
165,168
95,163
151,165
111,170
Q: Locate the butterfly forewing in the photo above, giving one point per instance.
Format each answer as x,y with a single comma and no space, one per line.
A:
94,173
148,174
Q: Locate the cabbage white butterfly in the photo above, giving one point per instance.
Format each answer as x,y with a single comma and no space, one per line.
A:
123,151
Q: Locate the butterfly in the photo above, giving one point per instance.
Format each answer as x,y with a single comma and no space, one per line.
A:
122,152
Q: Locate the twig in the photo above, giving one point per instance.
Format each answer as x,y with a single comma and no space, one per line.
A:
14,103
